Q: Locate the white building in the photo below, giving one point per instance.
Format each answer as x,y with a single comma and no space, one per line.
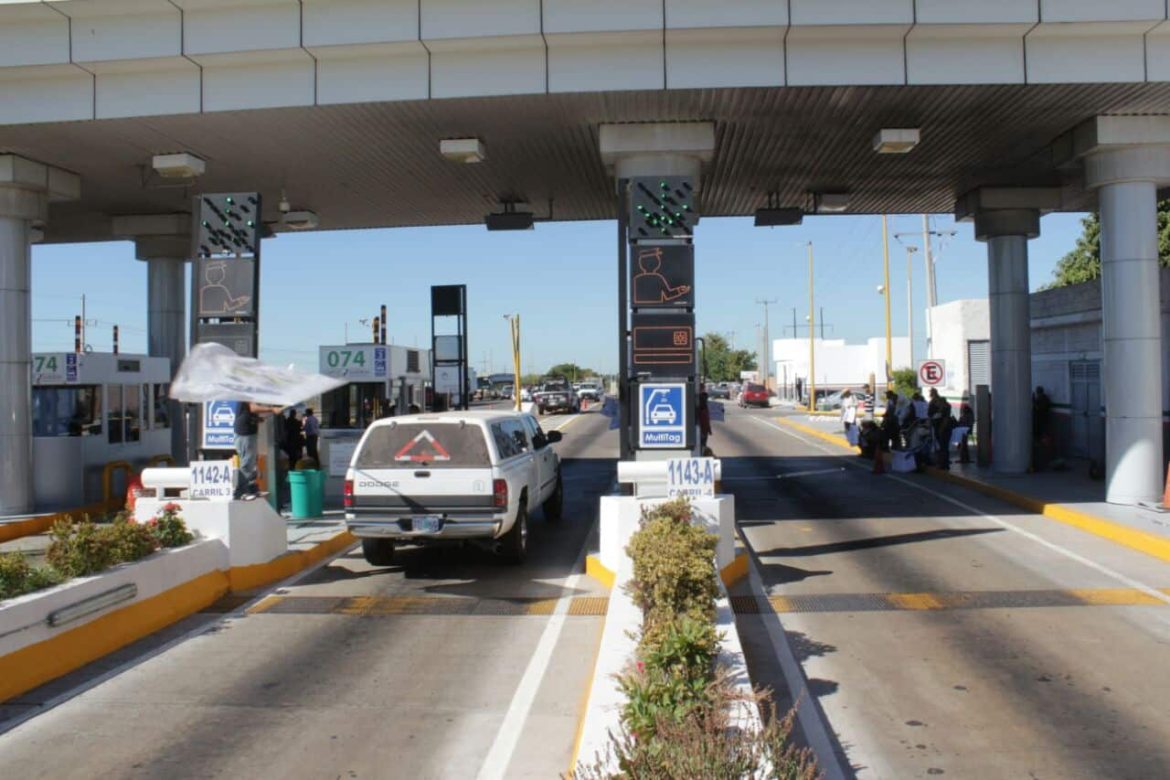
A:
961,336
838,364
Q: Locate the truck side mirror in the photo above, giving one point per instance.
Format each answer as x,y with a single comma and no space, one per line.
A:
553,437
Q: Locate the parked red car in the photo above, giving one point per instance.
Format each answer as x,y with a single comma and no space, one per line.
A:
753,395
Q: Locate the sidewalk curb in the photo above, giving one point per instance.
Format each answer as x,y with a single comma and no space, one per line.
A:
1141,541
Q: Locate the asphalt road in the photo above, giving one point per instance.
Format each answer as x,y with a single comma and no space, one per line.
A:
947,634
449,664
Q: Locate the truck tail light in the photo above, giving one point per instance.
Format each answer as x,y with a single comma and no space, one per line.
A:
347,499
500,493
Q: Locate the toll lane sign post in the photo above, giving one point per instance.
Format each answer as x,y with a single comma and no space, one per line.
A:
664,418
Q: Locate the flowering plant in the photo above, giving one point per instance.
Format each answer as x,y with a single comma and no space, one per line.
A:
168,527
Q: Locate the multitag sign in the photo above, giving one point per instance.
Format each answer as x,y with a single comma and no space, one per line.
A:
662,416
219,420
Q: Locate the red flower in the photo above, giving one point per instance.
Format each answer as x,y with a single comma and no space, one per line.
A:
171,507
641,667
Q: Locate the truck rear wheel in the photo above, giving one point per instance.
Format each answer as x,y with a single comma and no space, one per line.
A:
378,552
514,544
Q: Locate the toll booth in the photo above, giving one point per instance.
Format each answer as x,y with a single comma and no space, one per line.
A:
382,380
92,409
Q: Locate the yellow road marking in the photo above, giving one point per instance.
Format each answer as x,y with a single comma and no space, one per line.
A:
781,604
915,601
1116,597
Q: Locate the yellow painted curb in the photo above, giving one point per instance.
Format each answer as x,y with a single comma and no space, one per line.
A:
734,571
245,578
583,707
595,569
1142,541
37,664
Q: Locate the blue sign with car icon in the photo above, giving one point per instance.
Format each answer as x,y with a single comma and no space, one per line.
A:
662,416
219,419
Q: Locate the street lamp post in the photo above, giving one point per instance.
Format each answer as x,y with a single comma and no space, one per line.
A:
812,352
910,250
514,322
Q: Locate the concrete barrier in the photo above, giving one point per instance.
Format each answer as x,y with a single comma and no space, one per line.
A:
49,633
620,516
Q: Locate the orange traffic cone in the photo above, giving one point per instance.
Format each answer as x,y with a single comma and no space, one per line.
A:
879,462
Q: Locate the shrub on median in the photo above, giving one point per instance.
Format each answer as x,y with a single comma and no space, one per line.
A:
18,576
676,722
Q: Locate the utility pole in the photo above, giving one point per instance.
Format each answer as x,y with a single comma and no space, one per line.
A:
931,289
910,250
767,346
812,352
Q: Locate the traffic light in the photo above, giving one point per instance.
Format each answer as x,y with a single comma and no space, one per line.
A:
228,224
662,207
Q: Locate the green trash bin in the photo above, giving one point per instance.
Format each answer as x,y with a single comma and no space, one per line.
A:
305,491
319,496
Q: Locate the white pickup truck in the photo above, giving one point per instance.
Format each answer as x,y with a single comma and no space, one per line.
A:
471,476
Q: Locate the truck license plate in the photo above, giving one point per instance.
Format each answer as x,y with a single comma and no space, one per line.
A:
426,525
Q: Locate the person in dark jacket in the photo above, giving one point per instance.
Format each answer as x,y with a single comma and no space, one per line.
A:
704,419
890,428
941,425
294,439
966,420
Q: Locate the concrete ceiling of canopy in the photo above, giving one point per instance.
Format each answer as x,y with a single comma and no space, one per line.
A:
378,164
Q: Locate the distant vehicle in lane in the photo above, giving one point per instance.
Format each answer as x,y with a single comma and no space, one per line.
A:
753,395
590,391
556,395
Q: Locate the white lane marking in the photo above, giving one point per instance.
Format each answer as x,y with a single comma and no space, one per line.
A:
495,765
813,721
240,611
1098,567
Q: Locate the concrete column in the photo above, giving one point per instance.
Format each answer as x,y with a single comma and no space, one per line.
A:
1126,159
1131,319
166,322
16,475
26,188
1006,233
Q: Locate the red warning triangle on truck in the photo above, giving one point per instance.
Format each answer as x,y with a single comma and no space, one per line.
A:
423,449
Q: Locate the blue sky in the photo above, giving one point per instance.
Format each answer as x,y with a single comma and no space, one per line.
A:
561,278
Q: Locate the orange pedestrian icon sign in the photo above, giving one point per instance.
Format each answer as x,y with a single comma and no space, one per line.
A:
663,277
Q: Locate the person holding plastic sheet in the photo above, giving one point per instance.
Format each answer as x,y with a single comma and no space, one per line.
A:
247,427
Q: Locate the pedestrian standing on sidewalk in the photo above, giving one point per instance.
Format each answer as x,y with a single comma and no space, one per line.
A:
849,414
941,425
890,427
966,420
312,429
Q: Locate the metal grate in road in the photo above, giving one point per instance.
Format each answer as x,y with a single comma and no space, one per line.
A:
387,606
992,599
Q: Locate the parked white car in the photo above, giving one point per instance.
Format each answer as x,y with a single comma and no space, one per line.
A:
431,478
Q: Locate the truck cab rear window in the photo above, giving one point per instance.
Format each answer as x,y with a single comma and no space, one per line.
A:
424,445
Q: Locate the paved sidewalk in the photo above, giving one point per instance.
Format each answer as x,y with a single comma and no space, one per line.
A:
1069,497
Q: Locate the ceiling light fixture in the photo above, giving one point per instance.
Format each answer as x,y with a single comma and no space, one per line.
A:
463,150
896,140
774,215
830,202
178,166
300,220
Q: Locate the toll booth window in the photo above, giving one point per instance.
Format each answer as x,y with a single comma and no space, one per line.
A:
132,419
412,361
67,411
162,418
114,414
